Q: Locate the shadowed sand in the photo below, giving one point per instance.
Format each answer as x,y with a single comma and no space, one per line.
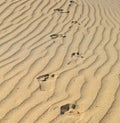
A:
59,61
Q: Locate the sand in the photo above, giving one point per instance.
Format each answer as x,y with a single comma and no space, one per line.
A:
59,61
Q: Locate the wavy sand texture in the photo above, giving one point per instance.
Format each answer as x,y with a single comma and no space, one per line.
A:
59,61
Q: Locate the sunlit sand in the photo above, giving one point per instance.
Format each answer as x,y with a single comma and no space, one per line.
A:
59,61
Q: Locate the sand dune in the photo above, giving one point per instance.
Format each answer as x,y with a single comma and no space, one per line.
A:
59,61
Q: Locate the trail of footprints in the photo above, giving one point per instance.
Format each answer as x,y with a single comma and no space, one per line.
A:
77,79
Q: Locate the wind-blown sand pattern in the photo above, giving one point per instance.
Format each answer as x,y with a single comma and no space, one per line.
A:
59,61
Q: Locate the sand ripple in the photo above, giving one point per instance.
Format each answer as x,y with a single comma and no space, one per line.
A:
59,61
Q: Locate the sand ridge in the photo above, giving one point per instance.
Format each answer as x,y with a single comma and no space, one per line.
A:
59,61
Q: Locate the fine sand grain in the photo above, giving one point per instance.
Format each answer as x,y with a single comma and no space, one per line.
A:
59,61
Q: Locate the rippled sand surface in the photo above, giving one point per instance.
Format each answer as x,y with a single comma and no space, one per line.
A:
59,61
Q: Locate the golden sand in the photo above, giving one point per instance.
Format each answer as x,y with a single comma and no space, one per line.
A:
59,61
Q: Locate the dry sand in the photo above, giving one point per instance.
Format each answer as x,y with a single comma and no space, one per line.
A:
59,61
